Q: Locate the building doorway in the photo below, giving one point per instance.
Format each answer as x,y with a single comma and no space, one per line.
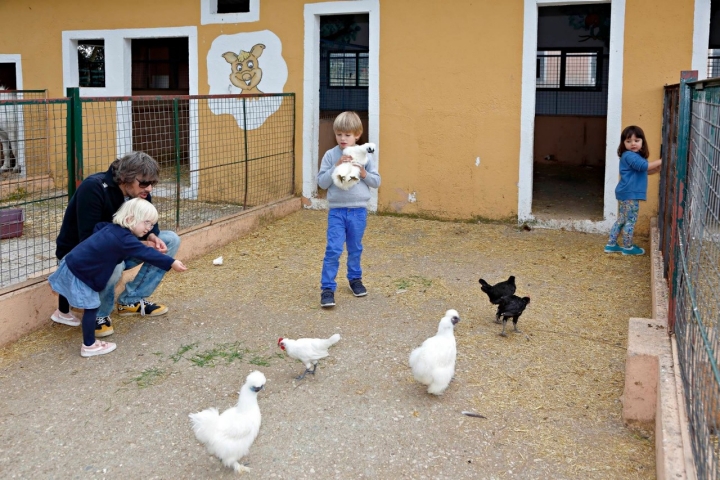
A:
571,112
160,66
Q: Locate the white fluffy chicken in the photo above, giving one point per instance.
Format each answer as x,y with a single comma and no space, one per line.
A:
347,175
308,350
433,362
229,435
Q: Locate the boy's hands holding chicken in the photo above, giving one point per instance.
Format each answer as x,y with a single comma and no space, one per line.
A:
349,159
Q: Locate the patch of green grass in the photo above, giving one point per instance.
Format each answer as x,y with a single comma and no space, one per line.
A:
260,361
175,357
227,351
413,280
149,376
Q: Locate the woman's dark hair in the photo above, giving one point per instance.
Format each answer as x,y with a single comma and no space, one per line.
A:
135,165
629,132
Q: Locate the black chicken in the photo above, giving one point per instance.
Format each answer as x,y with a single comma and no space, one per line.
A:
499,290
511,306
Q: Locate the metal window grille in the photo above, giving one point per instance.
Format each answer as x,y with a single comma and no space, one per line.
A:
568,69
713,66
343,77
348,69
571,83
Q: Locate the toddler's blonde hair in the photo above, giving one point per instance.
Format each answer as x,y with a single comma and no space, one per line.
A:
348,122
135,211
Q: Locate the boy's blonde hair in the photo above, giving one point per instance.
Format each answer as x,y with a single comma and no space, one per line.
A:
135,211
348,122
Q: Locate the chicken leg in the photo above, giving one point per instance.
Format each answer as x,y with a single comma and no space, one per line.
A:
307,370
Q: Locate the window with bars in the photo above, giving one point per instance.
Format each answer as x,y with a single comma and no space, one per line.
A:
713,67
91,63
568,69
348,69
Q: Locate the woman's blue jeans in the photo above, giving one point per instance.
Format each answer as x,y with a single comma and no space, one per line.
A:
345,226
145,282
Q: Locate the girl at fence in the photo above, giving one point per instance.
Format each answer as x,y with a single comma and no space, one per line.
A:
85,271
634,169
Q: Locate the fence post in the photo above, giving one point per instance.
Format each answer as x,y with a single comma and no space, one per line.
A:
70,144
247,169
176,123
681,166
73,94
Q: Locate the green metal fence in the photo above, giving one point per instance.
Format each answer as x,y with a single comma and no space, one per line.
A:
690,240
218,155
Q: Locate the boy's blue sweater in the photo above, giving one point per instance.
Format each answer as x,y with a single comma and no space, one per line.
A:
633,177
94,259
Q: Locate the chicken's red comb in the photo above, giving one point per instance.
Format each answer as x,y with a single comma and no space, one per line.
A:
280,340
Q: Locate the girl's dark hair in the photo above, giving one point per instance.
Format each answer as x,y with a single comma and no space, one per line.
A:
629,132
135,165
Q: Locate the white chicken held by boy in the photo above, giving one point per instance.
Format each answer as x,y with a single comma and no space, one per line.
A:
433,362
229,435
308,350
347,175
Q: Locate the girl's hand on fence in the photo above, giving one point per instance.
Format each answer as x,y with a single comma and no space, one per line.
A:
178,266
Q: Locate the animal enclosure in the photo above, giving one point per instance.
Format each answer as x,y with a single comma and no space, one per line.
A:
218,155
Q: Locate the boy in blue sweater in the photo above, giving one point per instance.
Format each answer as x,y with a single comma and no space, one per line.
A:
634,169
347,215
85,271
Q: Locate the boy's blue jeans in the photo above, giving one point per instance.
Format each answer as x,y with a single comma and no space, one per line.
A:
345,226
144,283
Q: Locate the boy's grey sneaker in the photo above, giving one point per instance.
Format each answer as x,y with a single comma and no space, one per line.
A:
634,250
358,288
327,299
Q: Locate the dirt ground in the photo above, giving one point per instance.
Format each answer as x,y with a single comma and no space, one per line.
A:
550,395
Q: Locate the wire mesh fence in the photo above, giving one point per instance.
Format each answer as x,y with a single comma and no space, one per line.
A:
33,182
218,156
690,236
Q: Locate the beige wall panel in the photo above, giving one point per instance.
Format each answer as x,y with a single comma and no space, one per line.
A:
658,45
450,94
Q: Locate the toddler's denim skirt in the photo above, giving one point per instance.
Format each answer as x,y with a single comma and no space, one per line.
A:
78,294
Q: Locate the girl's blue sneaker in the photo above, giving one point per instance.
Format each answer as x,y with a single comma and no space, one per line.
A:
634,250
613,248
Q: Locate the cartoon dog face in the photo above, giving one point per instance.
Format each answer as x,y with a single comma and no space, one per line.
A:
246,74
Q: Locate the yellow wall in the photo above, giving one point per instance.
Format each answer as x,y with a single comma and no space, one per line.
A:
449,93
658,45
450,83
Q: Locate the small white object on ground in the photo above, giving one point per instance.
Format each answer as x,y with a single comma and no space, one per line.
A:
218,261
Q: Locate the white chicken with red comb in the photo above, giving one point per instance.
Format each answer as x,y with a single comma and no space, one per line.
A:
308,350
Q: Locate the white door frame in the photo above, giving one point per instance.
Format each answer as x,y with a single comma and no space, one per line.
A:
701,38
614,116
311,89
118,80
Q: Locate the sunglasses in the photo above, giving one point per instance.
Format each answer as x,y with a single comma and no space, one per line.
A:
145,184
